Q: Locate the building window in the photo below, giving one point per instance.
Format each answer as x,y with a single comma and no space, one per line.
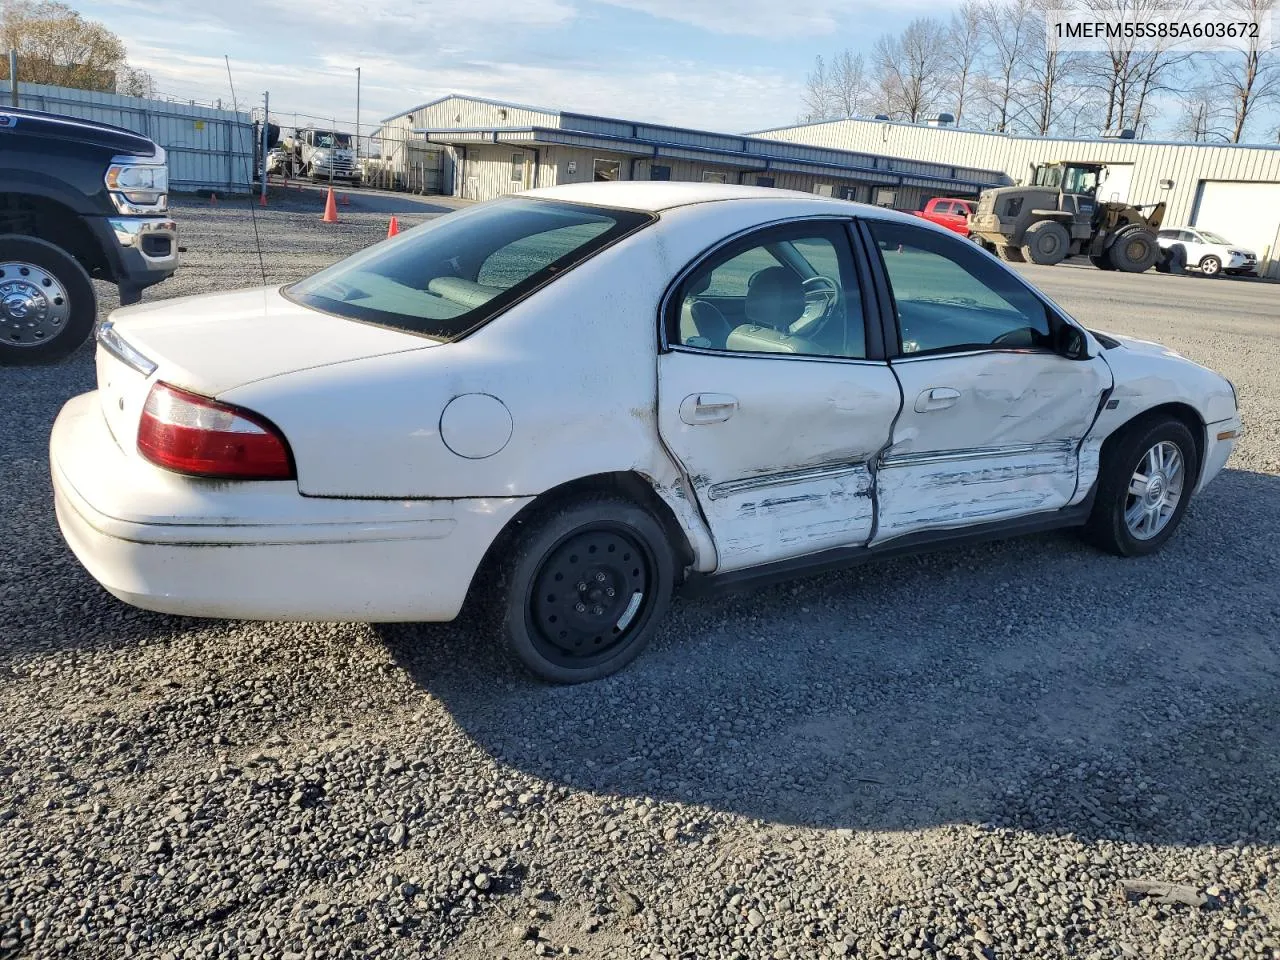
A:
659,171
607,170
885,197
848,193
517,168
823,189
714,176
765,181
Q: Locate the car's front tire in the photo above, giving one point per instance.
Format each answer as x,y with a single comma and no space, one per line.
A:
1144,487
1211,266
582,587
47,303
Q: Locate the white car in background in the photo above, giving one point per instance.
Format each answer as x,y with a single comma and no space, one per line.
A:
561,406
1208,252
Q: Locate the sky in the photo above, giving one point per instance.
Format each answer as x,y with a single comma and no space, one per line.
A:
731,65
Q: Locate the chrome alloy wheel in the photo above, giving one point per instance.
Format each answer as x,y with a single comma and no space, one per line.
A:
34,306
1155,489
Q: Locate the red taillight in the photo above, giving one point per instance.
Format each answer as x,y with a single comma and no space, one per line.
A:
193,434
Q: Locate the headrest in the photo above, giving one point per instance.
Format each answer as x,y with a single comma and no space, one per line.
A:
775,298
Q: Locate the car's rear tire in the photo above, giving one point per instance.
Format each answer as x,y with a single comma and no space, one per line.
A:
581,588
1010,254
1145,484
47,303
1211,266
1046,243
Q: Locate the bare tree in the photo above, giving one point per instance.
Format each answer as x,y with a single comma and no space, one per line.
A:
1250,78
1009,25
1050,83
909,68
851,90
817,93
965,42
1202,114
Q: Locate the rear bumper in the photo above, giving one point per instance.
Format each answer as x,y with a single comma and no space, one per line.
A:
258,551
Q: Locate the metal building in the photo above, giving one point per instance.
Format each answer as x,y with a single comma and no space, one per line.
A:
208,149
1233,190
490,148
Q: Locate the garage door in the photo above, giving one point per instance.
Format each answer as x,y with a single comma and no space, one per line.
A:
1114,182
1244,213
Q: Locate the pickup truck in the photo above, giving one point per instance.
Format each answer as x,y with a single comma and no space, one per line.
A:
949,212
78,201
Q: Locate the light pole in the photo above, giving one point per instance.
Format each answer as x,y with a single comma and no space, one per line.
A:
357,116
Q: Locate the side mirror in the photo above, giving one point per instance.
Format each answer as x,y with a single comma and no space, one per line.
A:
1071,342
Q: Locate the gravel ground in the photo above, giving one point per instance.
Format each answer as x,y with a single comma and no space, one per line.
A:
1024,749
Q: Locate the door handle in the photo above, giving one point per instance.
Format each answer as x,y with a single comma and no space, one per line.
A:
936,398
707,408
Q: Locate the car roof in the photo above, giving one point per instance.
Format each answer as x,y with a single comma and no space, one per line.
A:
654,196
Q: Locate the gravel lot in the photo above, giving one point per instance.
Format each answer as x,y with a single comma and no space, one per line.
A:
976,754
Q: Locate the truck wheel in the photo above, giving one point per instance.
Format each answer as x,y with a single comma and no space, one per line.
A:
1134,251
1102,262
47,303
1010,254
1046,243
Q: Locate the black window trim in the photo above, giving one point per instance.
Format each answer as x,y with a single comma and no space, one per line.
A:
518,293
889,317
668,310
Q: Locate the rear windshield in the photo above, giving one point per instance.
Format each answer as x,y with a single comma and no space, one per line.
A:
447,277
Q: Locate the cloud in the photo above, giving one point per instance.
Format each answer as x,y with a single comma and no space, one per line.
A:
757,18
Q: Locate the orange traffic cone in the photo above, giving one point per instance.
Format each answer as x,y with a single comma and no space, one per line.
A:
213,199
330,209
262,199
344,200
393,227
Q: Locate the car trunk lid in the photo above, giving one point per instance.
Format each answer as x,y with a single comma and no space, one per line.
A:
212,344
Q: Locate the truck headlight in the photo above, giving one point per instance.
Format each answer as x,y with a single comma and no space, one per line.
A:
137,186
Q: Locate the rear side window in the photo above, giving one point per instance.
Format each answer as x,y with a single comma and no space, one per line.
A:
444,279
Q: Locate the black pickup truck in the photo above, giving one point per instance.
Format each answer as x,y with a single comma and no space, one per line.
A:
77,200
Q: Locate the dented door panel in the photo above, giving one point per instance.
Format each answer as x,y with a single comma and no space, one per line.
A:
1007,446
780,455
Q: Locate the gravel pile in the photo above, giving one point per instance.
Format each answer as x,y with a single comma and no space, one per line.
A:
1024,749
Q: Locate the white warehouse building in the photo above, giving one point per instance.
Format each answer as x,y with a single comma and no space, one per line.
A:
1233,190
486,148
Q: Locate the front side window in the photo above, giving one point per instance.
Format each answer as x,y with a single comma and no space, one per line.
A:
445,278
788,290
950,296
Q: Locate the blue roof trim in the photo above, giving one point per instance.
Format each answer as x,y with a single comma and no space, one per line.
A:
568,137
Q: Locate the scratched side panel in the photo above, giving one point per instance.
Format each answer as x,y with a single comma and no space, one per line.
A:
953,495
757,526
1008,402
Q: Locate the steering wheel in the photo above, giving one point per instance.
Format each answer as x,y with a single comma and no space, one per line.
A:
821,297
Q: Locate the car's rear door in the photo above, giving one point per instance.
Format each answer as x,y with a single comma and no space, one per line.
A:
773,393
993,417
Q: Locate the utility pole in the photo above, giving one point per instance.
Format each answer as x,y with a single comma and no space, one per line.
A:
13,76
266,124
357,116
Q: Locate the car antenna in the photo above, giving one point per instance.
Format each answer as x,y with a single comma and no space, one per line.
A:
253,214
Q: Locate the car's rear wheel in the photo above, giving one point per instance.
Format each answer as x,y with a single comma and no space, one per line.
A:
583,587
1145,486
47,303
1211,266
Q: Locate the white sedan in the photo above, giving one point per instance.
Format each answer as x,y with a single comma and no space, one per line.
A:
566,405
1208,252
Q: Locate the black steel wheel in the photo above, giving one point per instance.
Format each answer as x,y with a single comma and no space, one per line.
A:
583,587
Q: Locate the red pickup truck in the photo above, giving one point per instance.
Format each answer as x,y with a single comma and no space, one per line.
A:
949,212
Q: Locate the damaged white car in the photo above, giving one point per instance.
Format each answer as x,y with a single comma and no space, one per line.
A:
568,404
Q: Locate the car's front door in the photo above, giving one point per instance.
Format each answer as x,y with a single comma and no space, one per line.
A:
993,416
769,396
